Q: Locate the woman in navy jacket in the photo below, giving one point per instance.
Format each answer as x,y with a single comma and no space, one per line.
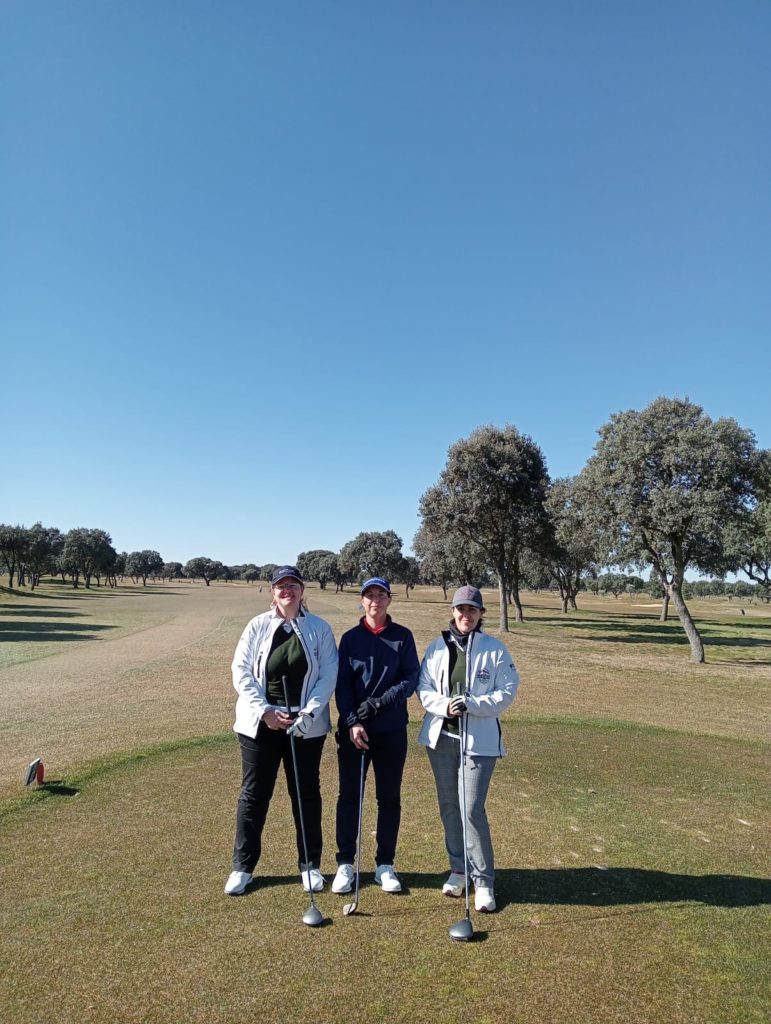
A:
378,672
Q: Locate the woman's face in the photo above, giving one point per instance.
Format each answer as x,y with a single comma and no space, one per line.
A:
375,602
287,595
466,617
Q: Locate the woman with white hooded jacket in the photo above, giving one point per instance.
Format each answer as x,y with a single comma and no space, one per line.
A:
284,647
467,673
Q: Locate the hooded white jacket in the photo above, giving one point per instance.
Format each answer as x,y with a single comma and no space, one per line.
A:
249,670
491,686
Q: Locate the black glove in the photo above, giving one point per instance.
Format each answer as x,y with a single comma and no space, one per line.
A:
368,708
458,704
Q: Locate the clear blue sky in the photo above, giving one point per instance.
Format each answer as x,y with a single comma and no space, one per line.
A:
261,263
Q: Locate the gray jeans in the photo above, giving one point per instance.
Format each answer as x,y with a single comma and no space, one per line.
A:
445,763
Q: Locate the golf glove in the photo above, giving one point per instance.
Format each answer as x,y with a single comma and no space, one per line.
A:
458,705
368,708
300,725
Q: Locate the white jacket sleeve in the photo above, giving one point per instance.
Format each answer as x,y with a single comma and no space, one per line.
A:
505,683
244,681
430,685
321,692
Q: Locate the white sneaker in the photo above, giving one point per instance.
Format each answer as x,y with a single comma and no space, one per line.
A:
343,879
484,899
313,879
387,878
455,884
238,882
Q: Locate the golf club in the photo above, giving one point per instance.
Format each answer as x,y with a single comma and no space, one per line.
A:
350,908
312,916
462,931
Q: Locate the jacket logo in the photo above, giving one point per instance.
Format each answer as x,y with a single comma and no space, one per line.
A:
483,674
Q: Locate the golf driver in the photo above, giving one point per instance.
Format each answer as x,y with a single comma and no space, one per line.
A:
312,916
462,931
350,908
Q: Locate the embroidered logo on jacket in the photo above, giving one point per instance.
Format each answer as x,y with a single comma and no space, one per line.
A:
483,674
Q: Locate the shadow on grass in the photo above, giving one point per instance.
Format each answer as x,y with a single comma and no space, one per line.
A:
57,787
18,632
30,611
617,886
614,887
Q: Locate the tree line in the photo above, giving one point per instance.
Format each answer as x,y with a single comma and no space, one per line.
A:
667,490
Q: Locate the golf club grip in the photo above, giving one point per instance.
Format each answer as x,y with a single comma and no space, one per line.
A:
285,686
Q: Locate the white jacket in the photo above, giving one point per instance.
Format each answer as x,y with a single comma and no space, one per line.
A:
249,670
491,686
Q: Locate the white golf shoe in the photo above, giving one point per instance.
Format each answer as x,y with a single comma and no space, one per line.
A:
313,879
387,878
343,881
484,899
238,882
455,884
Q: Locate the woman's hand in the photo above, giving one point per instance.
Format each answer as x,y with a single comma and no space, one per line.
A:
456,706
359,737
277,719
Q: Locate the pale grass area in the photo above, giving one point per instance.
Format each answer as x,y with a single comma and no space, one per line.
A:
160,671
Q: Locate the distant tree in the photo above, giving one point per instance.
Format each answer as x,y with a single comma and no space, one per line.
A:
750,544
371,554
141,564
268,570
408,573
319,565
172,571
252,572
446,557
203,569
44,544
569,551
663,486
13,542
491,493
87,553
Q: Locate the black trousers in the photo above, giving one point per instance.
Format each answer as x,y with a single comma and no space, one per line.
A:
260,760
387,753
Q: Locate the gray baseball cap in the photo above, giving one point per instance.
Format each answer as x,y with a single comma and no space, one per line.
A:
468,595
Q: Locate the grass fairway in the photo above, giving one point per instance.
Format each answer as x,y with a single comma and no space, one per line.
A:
630,821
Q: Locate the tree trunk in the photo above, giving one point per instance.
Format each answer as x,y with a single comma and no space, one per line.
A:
504,606
573,604
519,615
564,603
694,638
664,607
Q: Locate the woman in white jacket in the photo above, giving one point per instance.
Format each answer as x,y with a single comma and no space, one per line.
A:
285,643
466,672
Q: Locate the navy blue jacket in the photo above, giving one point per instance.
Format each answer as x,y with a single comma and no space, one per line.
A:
385,666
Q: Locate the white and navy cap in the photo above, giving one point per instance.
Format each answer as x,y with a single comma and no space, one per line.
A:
376,581
286,572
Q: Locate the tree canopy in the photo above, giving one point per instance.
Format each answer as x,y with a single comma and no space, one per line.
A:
662,488
491,494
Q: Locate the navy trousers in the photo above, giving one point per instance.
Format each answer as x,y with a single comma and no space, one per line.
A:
387,754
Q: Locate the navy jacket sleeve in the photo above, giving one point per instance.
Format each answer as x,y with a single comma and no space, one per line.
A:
409,673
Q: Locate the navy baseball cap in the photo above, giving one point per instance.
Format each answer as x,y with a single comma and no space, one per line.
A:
376,581
285,571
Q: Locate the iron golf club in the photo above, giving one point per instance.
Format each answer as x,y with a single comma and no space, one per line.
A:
462,931
312,916
350,908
